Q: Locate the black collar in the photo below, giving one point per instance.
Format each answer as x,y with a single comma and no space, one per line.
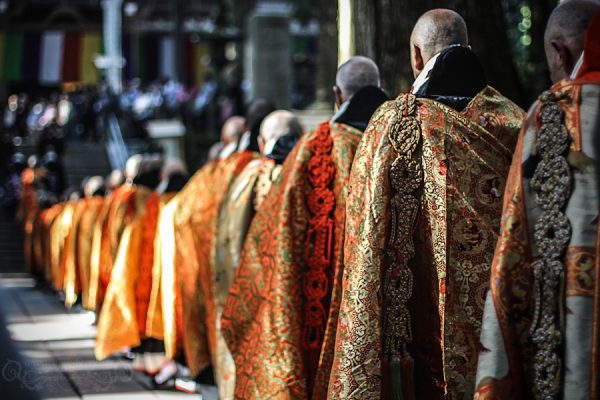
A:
360,107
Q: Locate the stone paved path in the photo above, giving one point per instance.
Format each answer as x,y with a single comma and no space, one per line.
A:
59,346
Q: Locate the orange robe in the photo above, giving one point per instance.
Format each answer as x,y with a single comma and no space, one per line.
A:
115,215
72,284
280,317
59,230
155,321
122,320
423,216
27,213
93,207
191,216
41,239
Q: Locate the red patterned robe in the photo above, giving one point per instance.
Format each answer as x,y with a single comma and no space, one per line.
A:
280,317
423,214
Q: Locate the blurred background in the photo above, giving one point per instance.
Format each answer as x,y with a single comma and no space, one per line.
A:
113,74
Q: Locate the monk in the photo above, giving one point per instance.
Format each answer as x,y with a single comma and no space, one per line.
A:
60,240
28,209
230,136
94,189
174,176
540,337
116,213
279,132
280,317
187,229
122,319
423,214
74,281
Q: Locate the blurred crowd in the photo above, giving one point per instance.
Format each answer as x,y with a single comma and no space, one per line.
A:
48,123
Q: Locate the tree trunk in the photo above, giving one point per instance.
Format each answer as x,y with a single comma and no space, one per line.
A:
327,53
383,28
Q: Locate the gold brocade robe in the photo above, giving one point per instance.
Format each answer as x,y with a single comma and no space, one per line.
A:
122,320
415,278
155,322
59,230
72,279
41,239
195,226
93,207
508,363
280,317
114,216
244,198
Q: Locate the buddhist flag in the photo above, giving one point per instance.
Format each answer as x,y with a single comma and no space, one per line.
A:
71,57
167,58
90,46
13,56
31,56
51,57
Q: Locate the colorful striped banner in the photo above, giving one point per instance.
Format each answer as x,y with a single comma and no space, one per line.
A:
167,58
71,57
31,56
13,56
51,58
90,46
54,57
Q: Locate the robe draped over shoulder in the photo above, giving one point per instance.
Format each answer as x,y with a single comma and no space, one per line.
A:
423,214
280,317
510,355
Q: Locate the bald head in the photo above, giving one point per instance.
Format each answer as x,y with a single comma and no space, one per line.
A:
434,31
275,125
563,39
132,166
93,186
353,75
232,129
114,179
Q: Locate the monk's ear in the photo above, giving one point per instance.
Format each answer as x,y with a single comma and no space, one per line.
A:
417,60
564,56
337,93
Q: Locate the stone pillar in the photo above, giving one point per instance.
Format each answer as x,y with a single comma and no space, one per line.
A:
268,64
112,42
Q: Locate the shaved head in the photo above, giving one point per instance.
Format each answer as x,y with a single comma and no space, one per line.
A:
353,75
563,39
276,125
93,185
233,129
132,166
434,31
114,179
